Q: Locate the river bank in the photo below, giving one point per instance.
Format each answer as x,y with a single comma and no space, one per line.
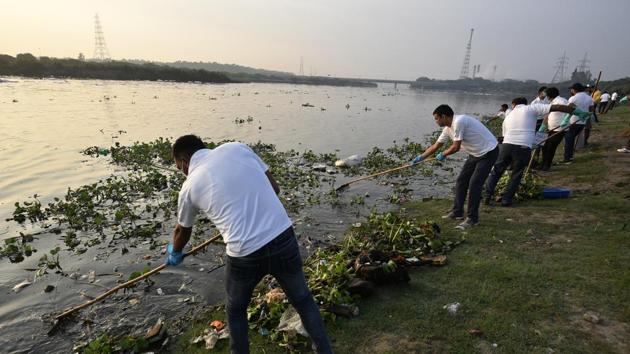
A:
544,276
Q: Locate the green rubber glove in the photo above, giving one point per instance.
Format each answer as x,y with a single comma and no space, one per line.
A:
584,116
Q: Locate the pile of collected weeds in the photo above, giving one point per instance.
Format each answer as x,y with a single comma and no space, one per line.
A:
531,186
373,253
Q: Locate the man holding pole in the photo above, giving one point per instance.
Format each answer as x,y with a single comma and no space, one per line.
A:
519,129
584,102
552,125
469,134
235,189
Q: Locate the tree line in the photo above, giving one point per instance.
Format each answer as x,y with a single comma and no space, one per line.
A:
28,65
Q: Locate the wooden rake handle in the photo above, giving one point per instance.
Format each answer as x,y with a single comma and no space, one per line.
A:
132,281
381,173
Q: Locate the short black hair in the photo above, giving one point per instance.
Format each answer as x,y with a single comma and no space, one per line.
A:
519,100
505,105
578,87
185,146
444,110
552,92
542,88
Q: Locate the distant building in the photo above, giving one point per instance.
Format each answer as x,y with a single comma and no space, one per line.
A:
581,76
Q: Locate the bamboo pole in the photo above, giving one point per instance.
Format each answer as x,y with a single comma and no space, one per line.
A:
345,185
132,281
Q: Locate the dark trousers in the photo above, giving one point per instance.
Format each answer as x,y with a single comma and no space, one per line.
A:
549,149
280,258
602,106
509,155
569,140
470,181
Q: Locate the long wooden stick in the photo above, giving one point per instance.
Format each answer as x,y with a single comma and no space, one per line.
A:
132,281
381,173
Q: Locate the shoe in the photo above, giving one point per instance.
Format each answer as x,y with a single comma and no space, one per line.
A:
506,203
488,201
567,162
467,224
452,216
623,149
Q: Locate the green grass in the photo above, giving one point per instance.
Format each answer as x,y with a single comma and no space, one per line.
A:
525,275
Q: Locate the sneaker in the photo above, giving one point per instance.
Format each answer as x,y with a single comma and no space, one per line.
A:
623,149
467,224
567,162
506,203
453,216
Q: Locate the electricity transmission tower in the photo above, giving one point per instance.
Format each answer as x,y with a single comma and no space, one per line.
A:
494,73
583,64
464,73
100,48
301,73
561,65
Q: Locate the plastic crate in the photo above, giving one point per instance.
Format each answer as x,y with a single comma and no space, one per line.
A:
556,193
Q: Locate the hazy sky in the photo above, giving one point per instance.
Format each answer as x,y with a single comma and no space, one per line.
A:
357,38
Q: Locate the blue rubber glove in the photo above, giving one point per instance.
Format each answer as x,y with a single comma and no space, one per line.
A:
543,128
417,159
565,121
174,257
584,116
440,157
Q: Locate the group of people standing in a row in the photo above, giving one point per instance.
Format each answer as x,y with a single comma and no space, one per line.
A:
544,123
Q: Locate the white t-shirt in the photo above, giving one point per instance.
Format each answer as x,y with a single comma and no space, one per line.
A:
605,97
476,139
582,101
230,186
537,100
519,127
614,96
555,118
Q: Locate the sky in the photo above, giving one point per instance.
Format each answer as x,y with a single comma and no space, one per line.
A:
389,39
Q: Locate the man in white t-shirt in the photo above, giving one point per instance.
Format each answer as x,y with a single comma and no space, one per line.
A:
584,102
234,188
519,130
540,99
553,124
603,102
613,101
470,135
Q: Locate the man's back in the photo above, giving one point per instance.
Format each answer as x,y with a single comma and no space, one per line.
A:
230,186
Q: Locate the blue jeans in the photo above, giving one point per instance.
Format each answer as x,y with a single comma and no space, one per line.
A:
470,182
569,140
517,157
280,258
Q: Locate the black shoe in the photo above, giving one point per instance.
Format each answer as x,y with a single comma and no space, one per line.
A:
453,216
506,203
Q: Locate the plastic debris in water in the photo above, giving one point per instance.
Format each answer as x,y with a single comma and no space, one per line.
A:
21,286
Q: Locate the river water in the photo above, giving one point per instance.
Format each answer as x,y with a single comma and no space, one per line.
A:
44,124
